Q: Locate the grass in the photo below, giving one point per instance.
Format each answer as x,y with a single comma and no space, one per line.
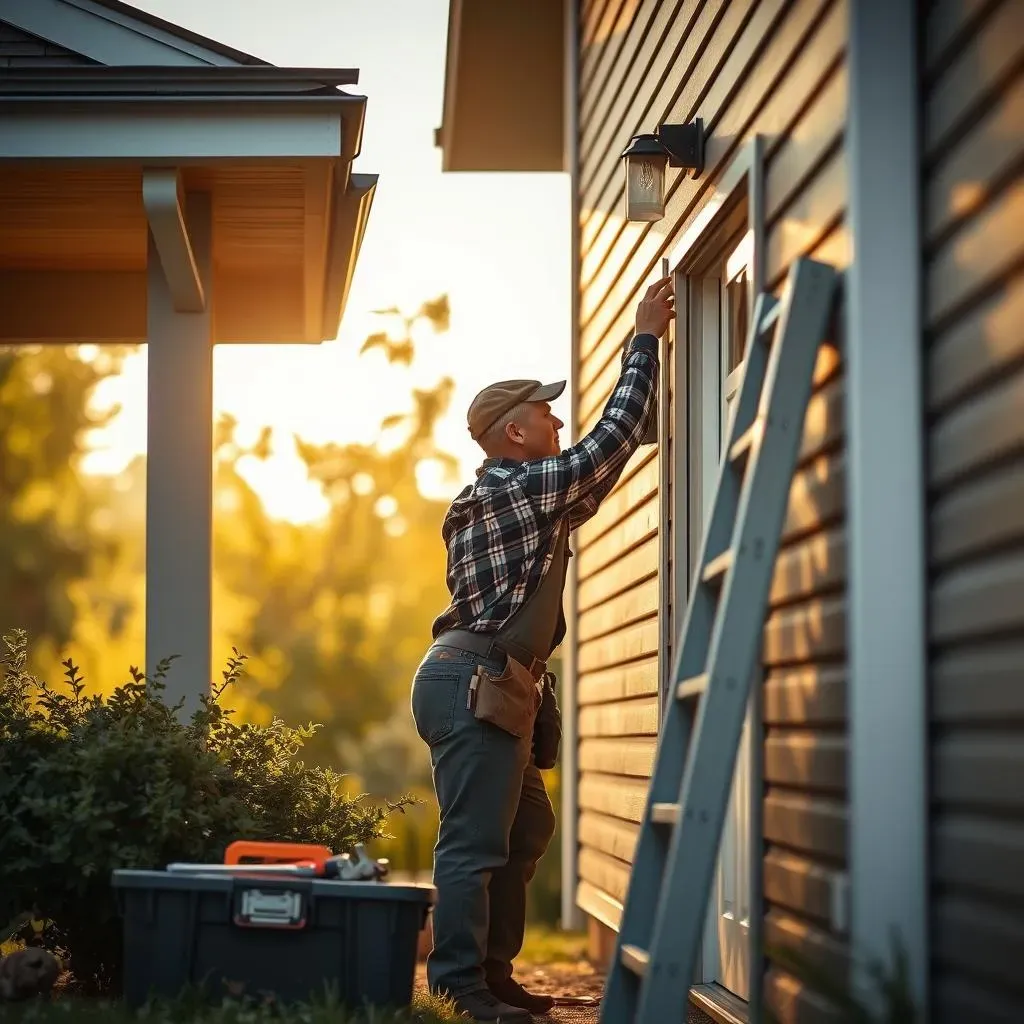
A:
542,946
425,1010
550,946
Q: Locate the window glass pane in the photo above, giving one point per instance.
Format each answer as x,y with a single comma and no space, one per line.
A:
738,314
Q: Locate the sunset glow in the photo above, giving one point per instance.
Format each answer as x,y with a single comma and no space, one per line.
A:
497,244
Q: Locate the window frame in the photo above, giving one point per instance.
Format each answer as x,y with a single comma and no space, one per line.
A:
742,181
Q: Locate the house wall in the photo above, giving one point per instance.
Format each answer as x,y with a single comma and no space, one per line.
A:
973,225
22,50
750,66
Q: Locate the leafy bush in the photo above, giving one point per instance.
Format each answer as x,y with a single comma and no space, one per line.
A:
89,784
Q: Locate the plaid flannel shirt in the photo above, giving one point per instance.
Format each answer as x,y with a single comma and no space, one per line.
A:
500,531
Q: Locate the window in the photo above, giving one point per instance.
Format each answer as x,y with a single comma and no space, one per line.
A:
736,300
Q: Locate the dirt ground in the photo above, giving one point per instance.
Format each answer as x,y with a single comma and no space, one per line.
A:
571,981
576,982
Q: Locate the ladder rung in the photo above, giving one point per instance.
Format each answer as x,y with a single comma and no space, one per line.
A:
692,687
715,570
768,320
635,959
741,449
665,814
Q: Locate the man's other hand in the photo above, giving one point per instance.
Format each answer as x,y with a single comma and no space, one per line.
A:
655,309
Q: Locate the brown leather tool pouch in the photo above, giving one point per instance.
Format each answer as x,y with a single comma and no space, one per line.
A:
508,700
547,729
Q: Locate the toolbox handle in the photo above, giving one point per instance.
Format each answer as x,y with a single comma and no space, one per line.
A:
251,851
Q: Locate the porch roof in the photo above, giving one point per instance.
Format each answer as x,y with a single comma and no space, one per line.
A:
159,187
112,32
272,146
136,15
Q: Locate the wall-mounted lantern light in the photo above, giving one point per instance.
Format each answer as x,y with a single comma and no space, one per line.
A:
647,156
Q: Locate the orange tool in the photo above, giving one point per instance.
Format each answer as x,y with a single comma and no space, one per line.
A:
252,851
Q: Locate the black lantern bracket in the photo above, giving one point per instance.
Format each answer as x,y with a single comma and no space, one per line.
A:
684,144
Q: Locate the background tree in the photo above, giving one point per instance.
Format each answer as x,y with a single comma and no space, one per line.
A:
48,540
334,616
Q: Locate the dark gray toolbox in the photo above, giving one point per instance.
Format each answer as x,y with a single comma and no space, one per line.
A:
289,938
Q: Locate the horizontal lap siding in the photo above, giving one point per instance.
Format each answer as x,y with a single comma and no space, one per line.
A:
973,203
805,811
776,68
617,662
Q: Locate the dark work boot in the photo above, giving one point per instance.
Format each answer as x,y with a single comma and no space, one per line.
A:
483,1005
511,992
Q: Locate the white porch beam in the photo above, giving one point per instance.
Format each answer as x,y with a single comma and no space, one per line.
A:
161,196
179,474
173,131
886,500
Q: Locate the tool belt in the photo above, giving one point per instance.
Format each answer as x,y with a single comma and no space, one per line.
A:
509,698
486,645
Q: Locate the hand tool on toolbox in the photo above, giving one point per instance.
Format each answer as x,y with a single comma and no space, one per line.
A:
251,857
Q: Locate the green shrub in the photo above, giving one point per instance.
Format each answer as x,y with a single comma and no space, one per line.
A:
889,985
89,784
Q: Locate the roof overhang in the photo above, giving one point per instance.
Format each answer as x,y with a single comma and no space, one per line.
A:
147,79
351,212
273,146
178,114
504,89
175,130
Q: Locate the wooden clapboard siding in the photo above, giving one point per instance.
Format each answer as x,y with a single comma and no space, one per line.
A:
775,68
805,810
973,208
796,133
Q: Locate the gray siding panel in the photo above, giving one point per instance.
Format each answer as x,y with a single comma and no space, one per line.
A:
23,50
973,202
968,1001
980,853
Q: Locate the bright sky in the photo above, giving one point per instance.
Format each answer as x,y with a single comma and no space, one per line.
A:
498,244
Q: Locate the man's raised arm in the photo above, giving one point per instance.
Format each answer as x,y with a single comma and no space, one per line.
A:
587,471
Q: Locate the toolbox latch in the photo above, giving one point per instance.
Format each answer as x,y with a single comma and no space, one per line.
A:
270,908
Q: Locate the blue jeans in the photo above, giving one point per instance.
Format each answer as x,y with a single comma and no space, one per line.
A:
496,823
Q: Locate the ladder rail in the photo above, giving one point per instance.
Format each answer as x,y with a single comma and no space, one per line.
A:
652,850
666,904
691,656
735,644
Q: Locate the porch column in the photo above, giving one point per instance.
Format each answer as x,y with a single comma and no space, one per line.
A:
179,473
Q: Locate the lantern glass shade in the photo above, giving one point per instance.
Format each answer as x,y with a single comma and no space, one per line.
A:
645,161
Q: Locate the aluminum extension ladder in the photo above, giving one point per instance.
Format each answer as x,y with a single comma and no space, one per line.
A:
673,866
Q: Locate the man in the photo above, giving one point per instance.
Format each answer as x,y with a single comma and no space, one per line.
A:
473,697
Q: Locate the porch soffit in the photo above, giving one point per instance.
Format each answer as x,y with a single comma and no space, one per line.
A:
275,228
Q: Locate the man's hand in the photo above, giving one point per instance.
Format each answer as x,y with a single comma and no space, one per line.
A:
655,309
